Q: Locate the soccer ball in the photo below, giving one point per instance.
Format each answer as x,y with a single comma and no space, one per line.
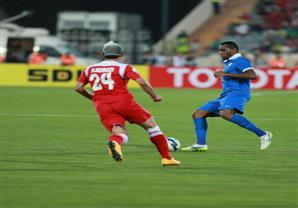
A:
173,144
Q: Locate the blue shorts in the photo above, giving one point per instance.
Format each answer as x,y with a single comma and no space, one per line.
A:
231,101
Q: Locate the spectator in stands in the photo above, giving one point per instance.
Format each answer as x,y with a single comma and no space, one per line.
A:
16,55
39,57
190,61
182,46
242,29
178,60
216,6
194,45
296,66
2,58
278,61
260,59
273,25
215,45
160,59
148,58
67,59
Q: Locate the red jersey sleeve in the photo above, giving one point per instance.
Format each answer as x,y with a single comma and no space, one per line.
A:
131,73
83,78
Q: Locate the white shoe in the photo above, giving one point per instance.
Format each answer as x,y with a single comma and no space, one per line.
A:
265,140
195,148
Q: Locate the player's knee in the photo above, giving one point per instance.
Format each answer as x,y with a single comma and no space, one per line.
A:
226,114
199,114
118,129
150,123
154,131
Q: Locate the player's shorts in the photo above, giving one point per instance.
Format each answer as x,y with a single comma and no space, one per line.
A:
231,101
118,112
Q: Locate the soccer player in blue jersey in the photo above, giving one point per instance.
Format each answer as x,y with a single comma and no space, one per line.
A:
235,78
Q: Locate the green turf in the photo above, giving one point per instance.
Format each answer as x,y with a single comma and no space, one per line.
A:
53,154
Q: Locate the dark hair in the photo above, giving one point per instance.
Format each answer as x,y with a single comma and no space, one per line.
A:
231,45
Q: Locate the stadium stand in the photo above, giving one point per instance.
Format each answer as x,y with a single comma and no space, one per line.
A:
264,27
215,27
272,26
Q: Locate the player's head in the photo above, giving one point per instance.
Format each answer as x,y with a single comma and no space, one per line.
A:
112,50
228,49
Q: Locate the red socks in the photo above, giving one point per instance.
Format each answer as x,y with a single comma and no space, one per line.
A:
162,146
116,138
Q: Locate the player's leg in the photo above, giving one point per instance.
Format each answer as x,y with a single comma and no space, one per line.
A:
201,125
210,109
115,124
116,139
231,109
240,120
135,113
119,133
160,142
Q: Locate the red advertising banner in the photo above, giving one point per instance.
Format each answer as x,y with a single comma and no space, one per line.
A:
202,78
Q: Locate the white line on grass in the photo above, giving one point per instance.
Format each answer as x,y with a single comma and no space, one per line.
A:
93,116
45,115
264,93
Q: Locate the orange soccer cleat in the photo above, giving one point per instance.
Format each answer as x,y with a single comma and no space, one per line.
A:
115,151
170,162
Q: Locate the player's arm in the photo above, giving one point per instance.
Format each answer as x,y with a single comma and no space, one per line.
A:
248,74
148,89
80,88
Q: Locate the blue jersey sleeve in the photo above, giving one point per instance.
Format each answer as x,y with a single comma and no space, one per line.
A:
244,64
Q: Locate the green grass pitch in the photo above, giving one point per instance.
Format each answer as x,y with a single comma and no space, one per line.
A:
54,155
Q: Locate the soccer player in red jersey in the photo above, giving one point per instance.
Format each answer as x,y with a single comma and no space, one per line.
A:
115,105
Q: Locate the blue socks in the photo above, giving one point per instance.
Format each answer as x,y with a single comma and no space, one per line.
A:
201,130
243,122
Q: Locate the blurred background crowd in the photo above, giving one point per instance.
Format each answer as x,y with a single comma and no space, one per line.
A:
159,32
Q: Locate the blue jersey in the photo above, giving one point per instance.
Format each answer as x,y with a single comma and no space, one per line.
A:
236,64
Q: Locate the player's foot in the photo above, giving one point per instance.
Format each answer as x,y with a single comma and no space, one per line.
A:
195,148
115,151
170,162
265,140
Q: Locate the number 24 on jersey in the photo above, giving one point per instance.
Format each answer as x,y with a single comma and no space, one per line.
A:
101,79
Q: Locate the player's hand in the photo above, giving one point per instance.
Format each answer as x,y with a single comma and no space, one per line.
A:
219,74
157,98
